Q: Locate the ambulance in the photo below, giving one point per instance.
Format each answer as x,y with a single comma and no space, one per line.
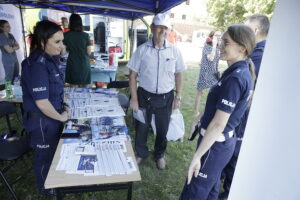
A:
107,34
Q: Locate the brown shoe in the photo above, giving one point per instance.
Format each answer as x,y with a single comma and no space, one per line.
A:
138,160
161,163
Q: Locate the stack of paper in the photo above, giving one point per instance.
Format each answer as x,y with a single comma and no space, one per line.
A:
99,158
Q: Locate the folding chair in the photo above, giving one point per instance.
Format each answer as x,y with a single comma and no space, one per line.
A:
6,109
123,98
12,147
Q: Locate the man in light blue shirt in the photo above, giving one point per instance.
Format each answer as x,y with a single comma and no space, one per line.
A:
155,69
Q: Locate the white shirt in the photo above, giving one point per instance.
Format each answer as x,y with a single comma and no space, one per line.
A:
156,68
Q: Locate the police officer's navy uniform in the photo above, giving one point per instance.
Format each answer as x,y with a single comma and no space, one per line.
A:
41,79
231,94
156,68
228,172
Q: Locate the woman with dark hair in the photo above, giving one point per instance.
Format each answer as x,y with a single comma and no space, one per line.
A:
225,106
208,66
78,71
9,46
43,96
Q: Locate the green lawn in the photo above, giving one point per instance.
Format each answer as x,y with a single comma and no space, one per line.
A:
155,184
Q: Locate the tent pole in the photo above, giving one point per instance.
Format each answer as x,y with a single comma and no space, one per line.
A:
131,38
23,31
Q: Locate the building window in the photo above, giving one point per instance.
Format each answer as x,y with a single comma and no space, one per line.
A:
184,17
172,15
187,2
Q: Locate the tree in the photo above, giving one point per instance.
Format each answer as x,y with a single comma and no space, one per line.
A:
223,13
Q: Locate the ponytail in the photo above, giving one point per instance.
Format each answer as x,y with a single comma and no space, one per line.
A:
33,42
252,71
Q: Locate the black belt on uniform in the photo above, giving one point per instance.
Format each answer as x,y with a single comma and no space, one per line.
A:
36,114
39,114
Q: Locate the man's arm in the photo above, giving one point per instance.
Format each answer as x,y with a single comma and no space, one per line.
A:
134,104
178,85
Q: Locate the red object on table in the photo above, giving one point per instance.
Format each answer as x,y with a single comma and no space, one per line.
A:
111,59
100,84
115,49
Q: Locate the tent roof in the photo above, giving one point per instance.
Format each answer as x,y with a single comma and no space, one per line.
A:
127,9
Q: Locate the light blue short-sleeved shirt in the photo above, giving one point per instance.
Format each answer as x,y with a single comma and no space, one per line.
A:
156,68
8,59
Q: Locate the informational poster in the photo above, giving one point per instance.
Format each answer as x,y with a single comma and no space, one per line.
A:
12,14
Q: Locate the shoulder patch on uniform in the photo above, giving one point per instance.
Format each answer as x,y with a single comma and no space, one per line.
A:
42,59
39,89
228,103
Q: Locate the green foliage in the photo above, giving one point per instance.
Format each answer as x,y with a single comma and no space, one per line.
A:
226,12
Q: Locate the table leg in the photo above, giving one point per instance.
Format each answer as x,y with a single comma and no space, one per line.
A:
59,195
129,194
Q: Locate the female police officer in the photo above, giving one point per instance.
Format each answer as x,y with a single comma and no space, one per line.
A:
225,105
42,85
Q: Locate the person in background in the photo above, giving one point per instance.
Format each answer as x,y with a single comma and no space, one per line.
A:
157,65
260,25
9,46
208,74
225,106
65,24
43,97
172,36
78,71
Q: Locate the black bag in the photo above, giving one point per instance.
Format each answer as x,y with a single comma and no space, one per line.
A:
196,132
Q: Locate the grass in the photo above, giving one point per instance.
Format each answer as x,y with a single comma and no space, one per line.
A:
155,184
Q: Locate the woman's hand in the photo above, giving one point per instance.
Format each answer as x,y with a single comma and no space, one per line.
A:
194,169
64,116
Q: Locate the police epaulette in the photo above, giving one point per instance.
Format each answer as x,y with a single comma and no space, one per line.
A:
42,59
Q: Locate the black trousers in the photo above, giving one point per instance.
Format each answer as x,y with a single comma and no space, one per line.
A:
161,106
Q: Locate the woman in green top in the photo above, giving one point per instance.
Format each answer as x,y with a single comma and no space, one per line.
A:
78,71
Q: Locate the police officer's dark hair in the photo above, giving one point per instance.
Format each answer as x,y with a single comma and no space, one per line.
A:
42,32
263,23
244,36
75,23
2,22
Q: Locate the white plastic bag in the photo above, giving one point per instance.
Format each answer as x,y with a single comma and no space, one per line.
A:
153,124
176,126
